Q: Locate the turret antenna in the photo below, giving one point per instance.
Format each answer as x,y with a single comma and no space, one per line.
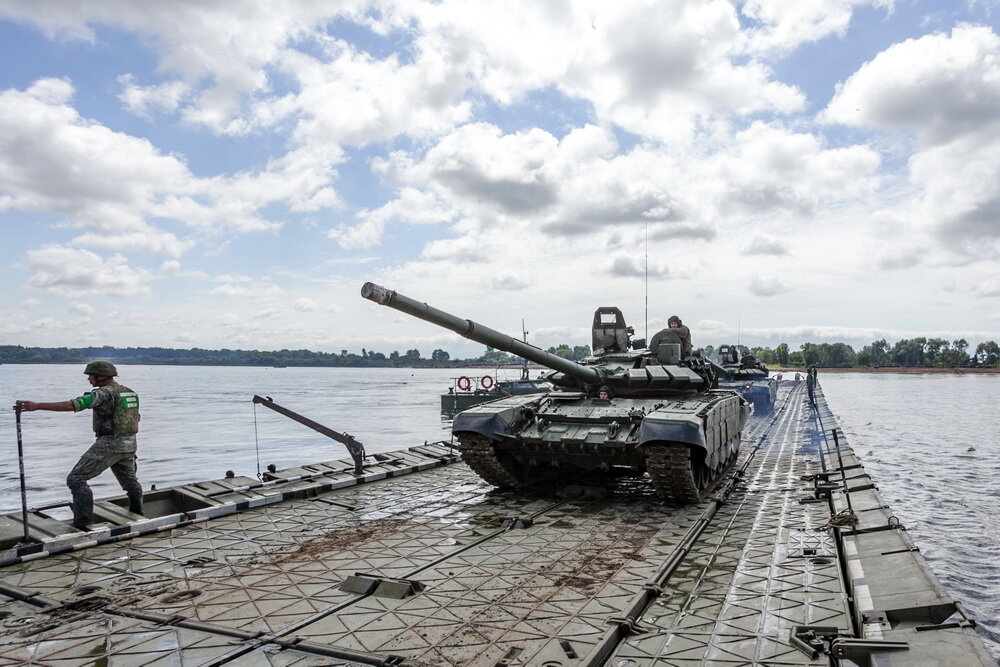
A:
646,267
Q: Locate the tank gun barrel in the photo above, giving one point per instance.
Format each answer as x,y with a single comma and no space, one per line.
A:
477,332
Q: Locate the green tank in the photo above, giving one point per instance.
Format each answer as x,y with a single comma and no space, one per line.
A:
662,417
745,375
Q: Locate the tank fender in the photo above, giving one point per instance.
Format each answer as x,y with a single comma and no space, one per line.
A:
495,419
672,427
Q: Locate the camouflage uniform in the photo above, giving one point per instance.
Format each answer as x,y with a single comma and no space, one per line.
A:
681,332
116,421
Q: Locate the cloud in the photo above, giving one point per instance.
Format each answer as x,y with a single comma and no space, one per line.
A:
652,68
632,267
74,272
987,288
509,283
80,308
257,290
697,232
944,89
113,185
783,26
304,304
31,302
147,101
901,260
765,246
766,286
940,86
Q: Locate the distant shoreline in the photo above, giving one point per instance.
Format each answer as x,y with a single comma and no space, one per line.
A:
905,370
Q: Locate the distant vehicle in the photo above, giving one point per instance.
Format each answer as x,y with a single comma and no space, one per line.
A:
467,391
747,376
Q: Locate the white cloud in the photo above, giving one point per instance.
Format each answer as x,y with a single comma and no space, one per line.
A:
74,272
53,161
31,302
987,288
149,100
782,25
766,286
634,267
256,290
651,67
940,86
765,246
81,308
945,89
305,304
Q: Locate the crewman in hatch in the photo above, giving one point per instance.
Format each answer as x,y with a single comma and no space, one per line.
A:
116,422
676,327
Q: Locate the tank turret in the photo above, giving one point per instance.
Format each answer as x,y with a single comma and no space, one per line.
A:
618,362
656,413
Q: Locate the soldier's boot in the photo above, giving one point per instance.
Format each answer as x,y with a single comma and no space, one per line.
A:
135,502
83,505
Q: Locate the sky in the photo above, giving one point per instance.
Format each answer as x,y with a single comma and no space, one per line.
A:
228,174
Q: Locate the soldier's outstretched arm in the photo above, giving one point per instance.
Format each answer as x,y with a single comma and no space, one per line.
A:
31,406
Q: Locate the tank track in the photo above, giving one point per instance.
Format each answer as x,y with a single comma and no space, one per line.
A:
479,453
677,477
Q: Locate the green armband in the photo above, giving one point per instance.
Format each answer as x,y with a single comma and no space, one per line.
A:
83,402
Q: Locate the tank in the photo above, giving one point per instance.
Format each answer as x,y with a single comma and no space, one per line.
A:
747,376
663,418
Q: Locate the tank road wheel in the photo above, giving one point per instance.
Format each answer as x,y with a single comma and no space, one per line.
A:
481,456
676,474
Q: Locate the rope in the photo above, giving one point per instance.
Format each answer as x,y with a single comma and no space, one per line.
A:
844,517
256,444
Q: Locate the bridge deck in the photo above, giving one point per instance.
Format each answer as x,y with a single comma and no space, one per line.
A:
421,562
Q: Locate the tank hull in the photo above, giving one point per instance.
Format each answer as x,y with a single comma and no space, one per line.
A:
761,394
684,443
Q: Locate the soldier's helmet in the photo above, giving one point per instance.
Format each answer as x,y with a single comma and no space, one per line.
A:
103,368
674,318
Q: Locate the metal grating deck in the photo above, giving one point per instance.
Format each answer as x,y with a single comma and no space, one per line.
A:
479,577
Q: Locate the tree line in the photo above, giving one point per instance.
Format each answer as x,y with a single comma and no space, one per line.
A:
908,352
914,352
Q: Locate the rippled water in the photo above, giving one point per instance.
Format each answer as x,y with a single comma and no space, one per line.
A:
931,442
198,422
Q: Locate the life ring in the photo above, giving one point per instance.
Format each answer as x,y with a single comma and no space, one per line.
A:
464,383
486,382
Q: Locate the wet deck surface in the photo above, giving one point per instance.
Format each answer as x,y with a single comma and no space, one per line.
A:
617,578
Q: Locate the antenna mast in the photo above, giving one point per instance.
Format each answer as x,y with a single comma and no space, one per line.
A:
646,268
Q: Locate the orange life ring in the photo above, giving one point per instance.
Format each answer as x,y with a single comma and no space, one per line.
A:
486,382
464,383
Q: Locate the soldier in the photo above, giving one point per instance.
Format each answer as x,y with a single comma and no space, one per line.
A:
116,421
676,327
811,384
748,361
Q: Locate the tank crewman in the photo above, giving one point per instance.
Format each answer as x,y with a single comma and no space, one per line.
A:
749,361
604,393
116,422
676,327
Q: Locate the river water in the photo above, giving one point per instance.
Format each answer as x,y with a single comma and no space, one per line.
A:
931,442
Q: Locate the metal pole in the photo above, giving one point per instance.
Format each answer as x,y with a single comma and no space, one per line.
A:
20,462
